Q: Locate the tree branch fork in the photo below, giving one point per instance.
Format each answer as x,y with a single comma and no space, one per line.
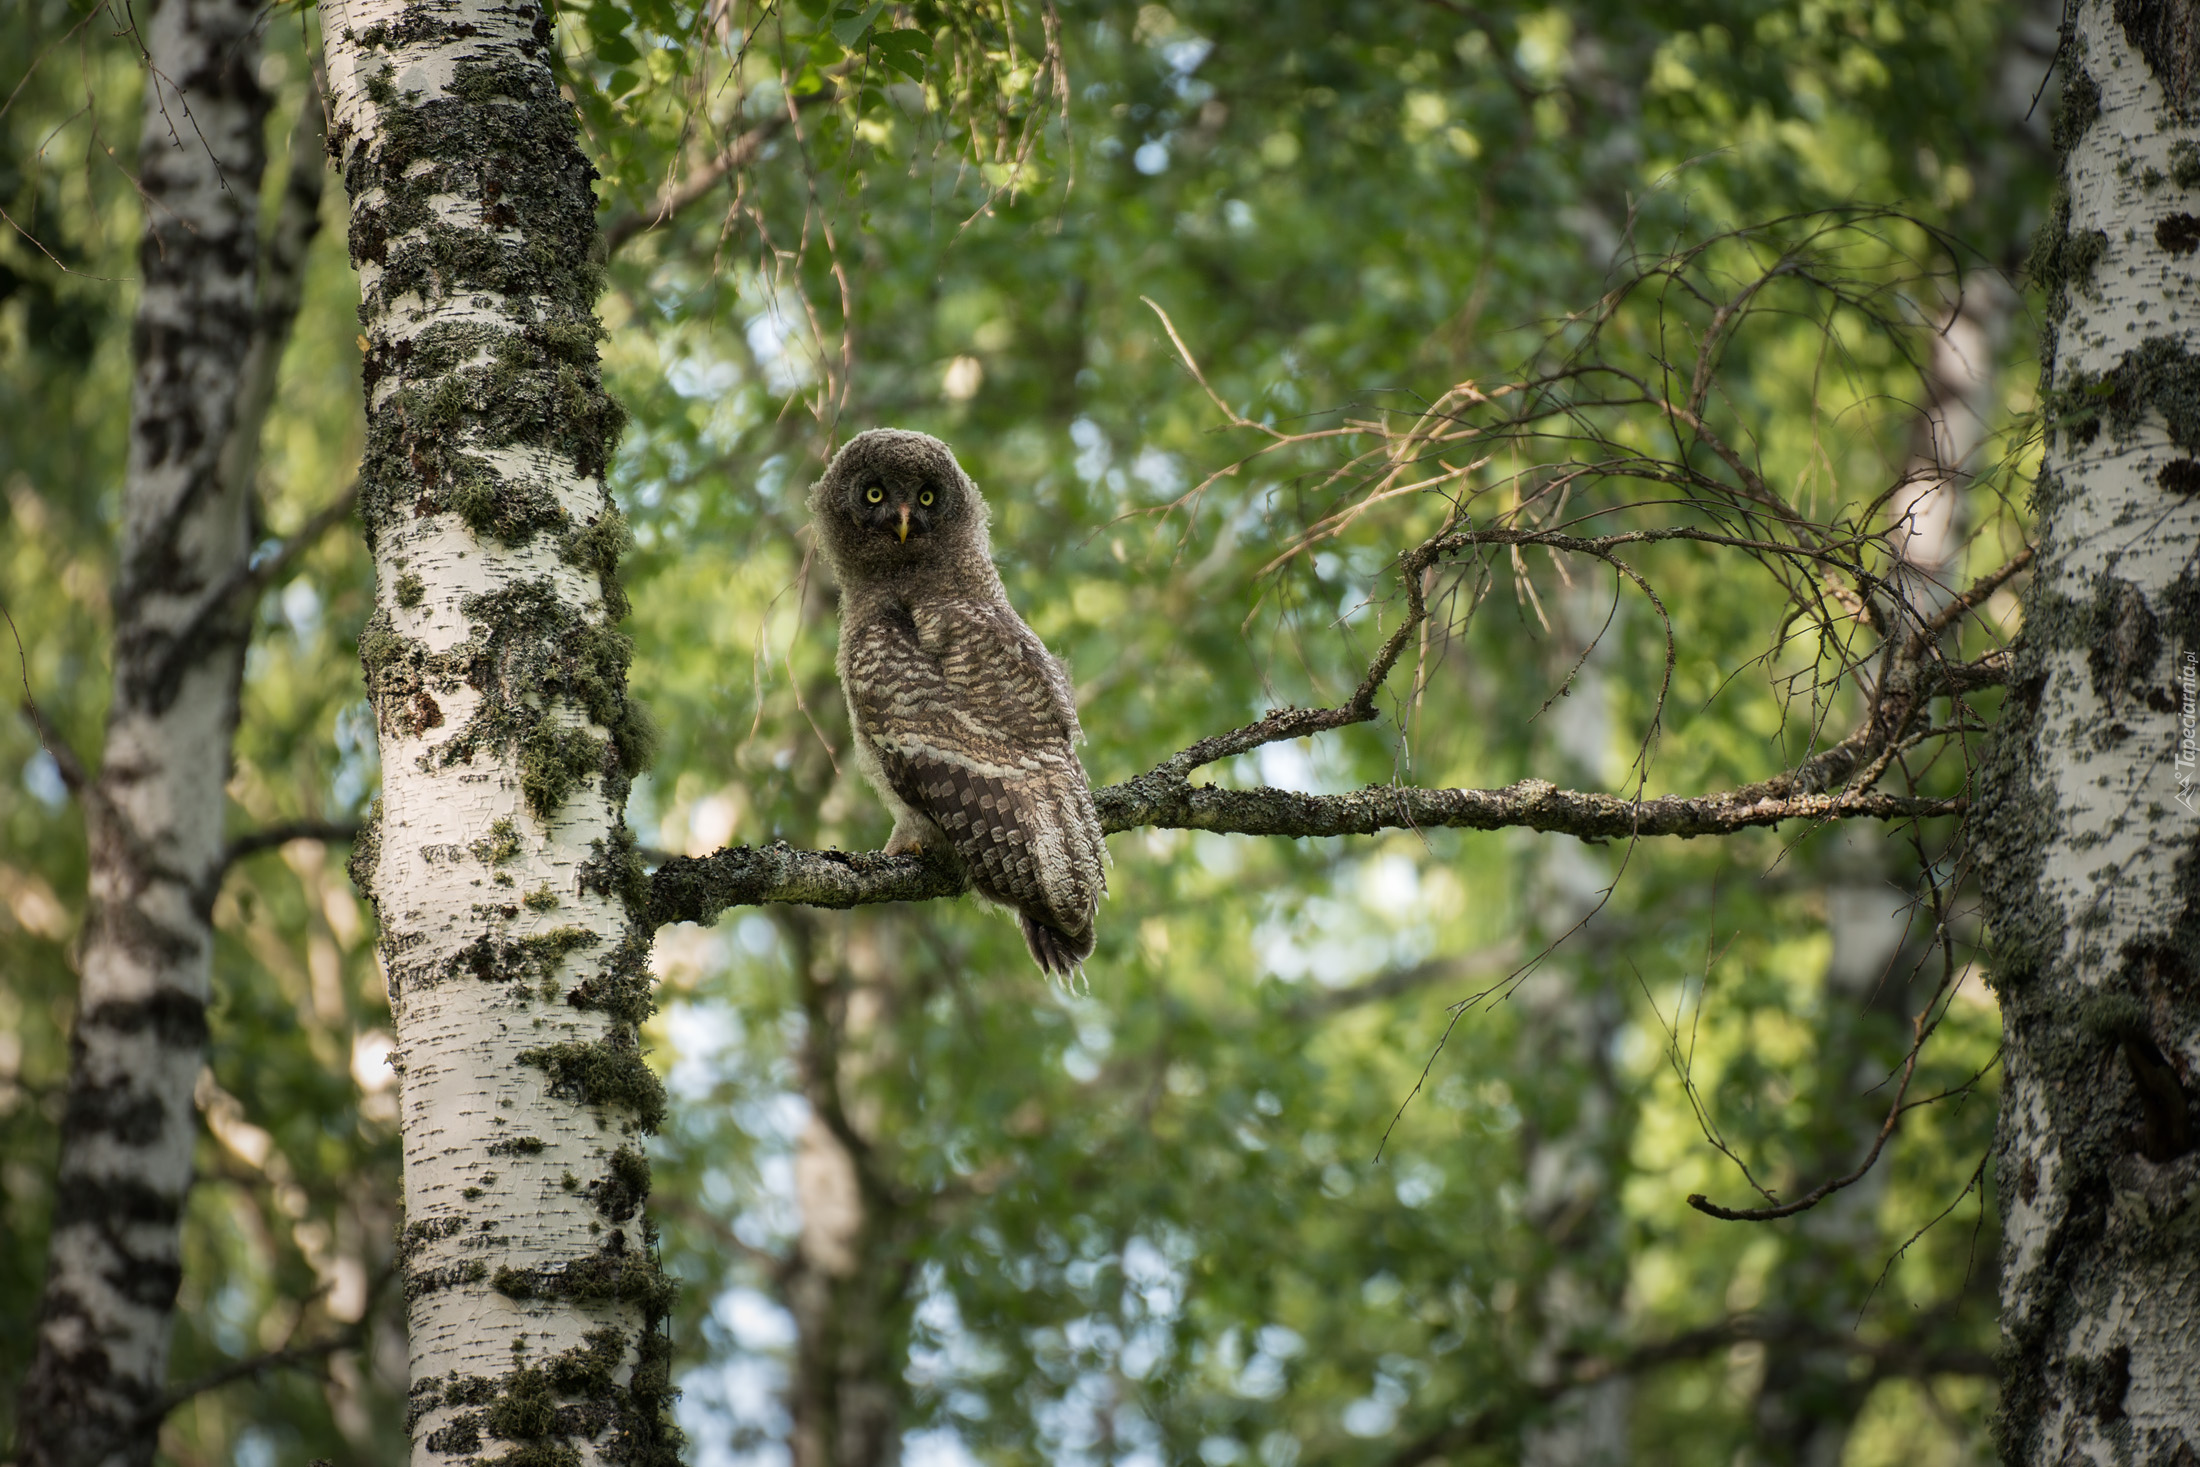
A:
1836,783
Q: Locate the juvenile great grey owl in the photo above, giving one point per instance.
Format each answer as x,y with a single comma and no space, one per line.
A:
964,722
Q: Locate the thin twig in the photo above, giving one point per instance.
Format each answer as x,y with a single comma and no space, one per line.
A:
267,838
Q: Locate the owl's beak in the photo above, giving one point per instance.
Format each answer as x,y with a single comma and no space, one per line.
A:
905,524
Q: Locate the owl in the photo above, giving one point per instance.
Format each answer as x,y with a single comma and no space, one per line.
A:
964,722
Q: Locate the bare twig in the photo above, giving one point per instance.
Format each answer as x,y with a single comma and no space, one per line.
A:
1909,1358
290,1357
74,775
1401,981
674,198
252,842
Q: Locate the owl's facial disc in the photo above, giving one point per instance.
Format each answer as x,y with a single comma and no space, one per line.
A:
906,509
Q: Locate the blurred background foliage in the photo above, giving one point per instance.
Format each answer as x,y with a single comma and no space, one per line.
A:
1267,1193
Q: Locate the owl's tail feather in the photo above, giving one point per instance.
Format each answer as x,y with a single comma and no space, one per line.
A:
1058,954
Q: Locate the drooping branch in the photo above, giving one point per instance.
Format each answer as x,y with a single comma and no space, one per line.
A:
1496,960
674,198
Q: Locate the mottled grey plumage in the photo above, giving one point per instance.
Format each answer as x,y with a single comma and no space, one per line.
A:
963,720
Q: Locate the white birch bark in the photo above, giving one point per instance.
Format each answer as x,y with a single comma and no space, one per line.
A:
499,863
154,812
2090,842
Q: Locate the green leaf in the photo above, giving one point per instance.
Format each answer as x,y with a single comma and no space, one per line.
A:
905,51
617,50
850,32
620,82
912,40
808,83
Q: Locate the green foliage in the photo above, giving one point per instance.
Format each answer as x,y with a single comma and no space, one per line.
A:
1151,1217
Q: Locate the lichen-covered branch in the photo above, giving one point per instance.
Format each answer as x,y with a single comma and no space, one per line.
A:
1532,804
698,888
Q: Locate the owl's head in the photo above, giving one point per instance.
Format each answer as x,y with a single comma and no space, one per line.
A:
893,499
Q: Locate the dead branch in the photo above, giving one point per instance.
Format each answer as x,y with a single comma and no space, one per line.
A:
674,198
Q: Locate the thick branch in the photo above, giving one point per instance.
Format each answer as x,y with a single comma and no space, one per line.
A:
698,888
1532,804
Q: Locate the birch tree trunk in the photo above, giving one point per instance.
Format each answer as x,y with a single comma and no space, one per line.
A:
498,860
847,1283
2090,842
1576,1121
154,812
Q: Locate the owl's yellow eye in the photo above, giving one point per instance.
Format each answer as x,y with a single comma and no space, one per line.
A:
874,494
925,498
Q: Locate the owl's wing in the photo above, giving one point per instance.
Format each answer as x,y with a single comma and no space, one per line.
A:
972,722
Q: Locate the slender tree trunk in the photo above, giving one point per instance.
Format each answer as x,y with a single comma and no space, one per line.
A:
1577,1121
1808,1397
499,861
154,813
847,1282
2090,841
